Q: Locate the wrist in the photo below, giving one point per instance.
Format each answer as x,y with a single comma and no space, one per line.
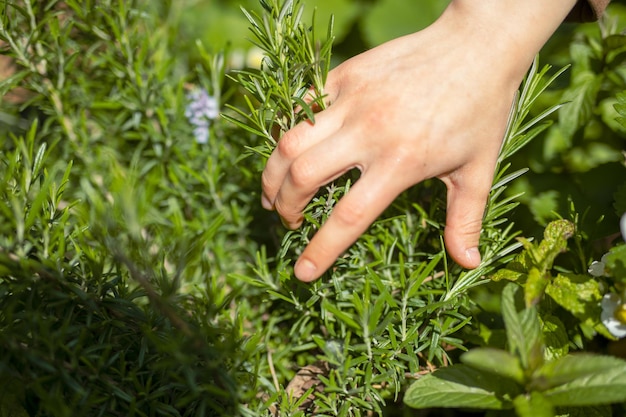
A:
507,33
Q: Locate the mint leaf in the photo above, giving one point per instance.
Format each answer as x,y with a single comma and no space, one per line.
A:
555,337
495,361
523,330
602,387
580,98
462,386
572,367
580,295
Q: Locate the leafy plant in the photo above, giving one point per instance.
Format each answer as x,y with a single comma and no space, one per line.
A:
580,158
113,243
387,309
521,378
139,276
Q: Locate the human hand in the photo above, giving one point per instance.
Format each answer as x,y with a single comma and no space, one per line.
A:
430,104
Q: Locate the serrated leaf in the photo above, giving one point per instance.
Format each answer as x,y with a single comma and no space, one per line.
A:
523,330
540,256
602,387
578,294
462,386
495,361
571,367
580,98
555,238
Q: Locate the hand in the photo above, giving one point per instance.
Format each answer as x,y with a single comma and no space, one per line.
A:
431,104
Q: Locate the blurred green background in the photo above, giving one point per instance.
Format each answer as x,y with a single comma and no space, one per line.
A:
358,24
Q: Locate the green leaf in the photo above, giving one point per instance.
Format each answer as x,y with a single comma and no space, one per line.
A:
555,337
508,274
615,263
536,284
544,205
462,386
615,46
540,256
342,316
604,386
523,330
533,405
572,367
495,361
581,98
555,238
580,295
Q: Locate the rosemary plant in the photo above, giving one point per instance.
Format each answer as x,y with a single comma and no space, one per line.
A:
393,305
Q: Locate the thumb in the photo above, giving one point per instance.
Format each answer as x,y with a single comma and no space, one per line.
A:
464,216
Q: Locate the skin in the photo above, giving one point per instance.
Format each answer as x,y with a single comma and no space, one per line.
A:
431,104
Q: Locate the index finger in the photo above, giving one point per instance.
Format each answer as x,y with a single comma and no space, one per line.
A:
350,218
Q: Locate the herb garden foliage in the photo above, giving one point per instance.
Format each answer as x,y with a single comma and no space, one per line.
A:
139,277
393,305
117,230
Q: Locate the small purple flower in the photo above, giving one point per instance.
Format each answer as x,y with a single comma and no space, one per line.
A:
202,108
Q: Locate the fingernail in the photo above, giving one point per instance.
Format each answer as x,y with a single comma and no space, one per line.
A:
265,202
473,256
305,270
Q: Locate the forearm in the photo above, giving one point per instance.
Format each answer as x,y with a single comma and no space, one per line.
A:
511,32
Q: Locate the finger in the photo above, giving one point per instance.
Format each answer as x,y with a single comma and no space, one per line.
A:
299,138
354,213
293,144
318,166
467,198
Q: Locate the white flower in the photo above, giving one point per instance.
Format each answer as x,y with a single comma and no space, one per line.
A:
202,108
597,268
614,315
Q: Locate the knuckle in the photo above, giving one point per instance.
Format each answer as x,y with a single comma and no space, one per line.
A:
302,173
289,145
350,214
